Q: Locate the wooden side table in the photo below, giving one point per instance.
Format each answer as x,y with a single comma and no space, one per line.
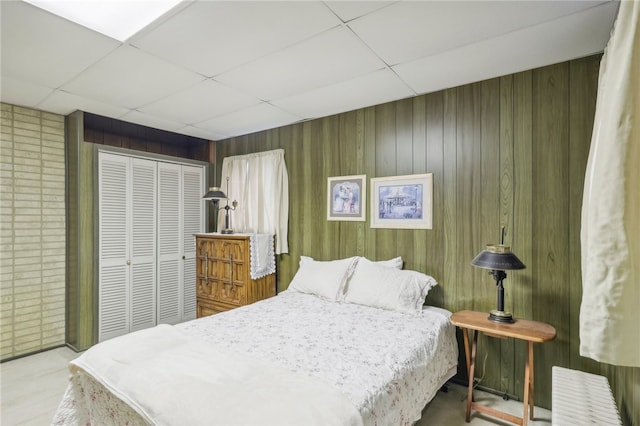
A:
529,331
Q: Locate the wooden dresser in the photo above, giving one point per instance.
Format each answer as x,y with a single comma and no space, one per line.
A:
223,279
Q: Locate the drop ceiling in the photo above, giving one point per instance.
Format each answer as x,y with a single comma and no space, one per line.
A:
214,69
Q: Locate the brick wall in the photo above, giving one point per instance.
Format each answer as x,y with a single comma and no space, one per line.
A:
32,231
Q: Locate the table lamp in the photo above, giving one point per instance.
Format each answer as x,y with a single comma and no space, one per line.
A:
215,194
498,258
227,228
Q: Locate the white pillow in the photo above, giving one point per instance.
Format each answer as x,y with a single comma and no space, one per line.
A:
325,279
388,288
396,262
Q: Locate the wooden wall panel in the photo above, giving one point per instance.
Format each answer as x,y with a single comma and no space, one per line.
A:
81,260
369,162
385,148
510,151
489,223
550,214
434,253
522,234
406,239
453,295
326,148
468,192
506,169
73,126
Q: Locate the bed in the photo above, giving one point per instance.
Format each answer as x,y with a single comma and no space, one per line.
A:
326,351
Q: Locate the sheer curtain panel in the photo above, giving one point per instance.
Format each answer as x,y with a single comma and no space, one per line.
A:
260,184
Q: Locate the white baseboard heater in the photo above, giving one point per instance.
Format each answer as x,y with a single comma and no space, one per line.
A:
580,399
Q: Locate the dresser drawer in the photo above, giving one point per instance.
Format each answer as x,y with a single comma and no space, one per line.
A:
205,308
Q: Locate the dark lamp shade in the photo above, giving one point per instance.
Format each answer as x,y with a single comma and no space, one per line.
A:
214,193
497,257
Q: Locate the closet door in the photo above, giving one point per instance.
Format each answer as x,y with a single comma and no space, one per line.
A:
193,223
143,244
113,265
148,213
127,232
180,215
169,243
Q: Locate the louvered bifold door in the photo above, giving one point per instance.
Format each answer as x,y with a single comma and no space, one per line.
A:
143,244
193,223
169,243
113,268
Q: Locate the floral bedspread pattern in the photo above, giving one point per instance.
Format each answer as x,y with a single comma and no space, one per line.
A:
87,402
388,364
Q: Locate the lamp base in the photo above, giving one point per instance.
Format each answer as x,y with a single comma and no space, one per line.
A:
227,231
500,316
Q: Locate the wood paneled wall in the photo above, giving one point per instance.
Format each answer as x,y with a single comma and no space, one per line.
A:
512,151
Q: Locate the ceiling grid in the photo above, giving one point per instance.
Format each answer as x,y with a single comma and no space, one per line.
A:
218,69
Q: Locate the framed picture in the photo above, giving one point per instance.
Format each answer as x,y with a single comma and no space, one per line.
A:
402,202
346,197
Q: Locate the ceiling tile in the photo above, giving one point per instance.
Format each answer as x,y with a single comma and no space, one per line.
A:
207,67
211,37
200,133
65,103
347,95
131,78
23,93
249,120
573,36
45,49
151,121
348,10
415,29
203,101
322,60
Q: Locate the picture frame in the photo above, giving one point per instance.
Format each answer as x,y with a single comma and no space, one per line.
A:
347,198
403,202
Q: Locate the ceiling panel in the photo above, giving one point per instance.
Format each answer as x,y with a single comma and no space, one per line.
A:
203,101
347,95
152,121
132,78
42,48
348,10
200,133
572,37
66,103
211,37
216,69
22,93
418,29
264,116
332,56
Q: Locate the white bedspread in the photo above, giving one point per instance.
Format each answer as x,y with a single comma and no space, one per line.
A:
387,365
170,379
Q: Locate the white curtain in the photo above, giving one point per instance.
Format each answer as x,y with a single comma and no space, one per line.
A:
610,234
260,184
